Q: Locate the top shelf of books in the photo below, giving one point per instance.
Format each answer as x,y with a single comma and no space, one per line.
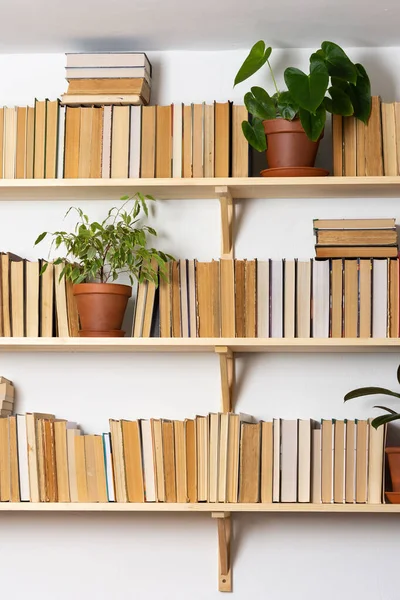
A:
201,188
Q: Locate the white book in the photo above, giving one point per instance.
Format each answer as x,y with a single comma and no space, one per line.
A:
276,295
379,298
61,142
289,442
289,317
73,486
320,299
106,155
303,299
304,462
177,137
107,73
148,460
184,297
213,457
109,467
276,481
263,298
107,59
223,457
22,449
316,497
135,141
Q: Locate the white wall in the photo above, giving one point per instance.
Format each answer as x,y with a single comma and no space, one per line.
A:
175,557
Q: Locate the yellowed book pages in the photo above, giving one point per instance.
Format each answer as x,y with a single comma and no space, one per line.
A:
117,445
351,437
365,298
289,298
198,137
47,301
266,461
73,484
90,464
397,120
389,139
165,304
60,439
1,142
227,278
51,139
339,463
327,462
30,142
148,156
100,469
360,129
337,298
373,140
350,298
96,86
40,433
164,141
222,477
240,298
49,461
120,142
72,310
180,461
240,146
362,462
13,449
350,146
191,460
209,140
149,305
251,298
61,302
169,460
97,141
158,453
20,168
393,328
32,298
40,139
5,475
187,141
85,142
72,141
102,99
80,465
17,298
133,461
176,299
10,142
222,139
337,145
249,462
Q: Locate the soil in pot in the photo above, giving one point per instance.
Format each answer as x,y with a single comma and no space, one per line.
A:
101,306
288,144
393,455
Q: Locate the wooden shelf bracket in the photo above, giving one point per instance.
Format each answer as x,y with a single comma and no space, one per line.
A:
227,369
227,211
224,551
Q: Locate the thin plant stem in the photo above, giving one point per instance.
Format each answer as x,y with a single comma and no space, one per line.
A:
273,77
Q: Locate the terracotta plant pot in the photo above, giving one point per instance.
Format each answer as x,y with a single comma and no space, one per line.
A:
288,144
393,455
101,307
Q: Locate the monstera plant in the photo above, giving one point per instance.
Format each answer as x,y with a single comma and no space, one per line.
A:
334,84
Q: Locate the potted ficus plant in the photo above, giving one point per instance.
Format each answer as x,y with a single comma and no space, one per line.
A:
390,415
289,124
96,253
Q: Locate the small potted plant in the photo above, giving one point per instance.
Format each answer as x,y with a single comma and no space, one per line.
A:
289,124
97,253
393,453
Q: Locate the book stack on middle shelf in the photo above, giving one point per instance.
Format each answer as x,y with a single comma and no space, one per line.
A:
356,238
107,78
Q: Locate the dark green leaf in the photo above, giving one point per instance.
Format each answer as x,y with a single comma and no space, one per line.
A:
265,100
308,91
389,410
313,124
41,237
254,134
257,57
369,391
360,95
257,109
341,103
286,106
384,419
398,373
44,268
338,63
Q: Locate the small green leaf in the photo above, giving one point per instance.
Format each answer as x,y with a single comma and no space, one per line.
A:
41,237
286,106
369,391
313,124
265,100
384,419
257,57
44,268
124,198
255,108
389,410
254,134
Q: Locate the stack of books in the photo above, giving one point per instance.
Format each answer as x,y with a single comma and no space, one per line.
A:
272,299
7,393
107,78
34,305
372,149
213,458
356,238
54,141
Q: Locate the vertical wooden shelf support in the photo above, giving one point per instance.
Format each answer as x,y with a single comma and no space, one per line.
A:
227,369
224,551
226,204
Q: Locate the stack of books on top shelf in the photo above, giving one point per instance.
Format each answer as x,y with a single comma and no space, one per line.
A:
34,305
272,299
356,238
372,149
52,141
107,78
213,458
7,393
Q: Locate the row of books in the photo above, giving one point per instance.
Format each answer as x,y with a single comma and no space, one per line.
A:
371,149
355,238
34,305
272,298
107,78
215,458
54,141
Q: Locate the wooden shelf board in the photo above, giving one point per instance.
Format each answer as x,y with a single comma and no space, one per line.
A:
242,345
253,187
203,507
